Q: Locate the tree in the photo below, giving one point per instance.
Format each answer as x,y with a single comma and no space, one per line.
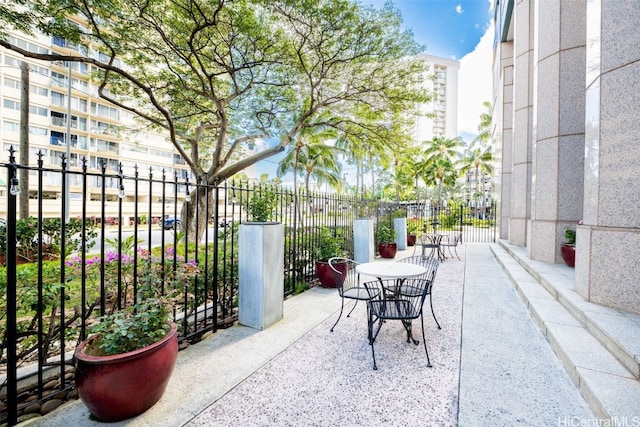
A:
312,157
216,76
478,156
439,161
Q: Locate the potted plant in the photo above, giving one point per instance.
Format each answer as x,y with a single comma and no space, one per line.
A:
568,248
329,245
386,236
413,227
124,366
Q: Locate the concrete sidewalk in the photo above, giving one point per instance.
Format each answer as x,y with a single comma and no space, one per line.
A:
492,366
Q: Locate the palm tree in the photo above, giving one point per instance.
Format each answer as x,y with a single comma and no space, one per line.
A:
439,161
478,156
442,147
478,160
312,158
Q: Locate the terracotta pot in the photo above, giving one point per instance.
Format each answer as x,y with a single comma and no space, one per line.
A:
411,239
124,385
568,254
326,275
387,250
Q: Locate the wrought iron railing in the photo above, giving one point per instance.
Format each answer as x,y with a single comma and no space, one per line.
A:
72,248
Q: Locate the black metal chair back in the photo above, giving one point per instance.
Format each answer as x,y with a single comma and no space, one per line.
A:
452,241
348,283
404,305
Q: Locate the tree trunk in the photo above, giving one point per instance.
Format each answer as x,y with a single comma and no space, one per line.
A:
198,203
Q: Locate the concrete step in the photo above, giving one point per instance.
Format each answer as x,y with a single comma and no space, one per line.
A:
599,346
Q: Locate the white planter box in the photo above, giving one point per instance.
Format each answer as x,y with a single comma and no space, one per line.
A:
261,274
400,225
363,240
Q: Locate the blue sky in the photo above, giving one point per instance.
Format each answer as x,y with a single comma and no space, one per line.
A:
456,29
447,28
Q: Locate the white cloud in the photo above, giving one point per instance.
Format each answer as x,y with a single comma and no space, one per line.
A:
475,85
459,9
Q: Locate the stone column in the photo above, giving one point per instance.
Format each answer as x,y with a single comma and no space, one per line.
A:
522,122
607,245
503,114
558,136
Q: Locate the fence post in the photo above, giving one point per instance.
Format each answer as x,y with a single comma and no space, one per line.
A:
11,313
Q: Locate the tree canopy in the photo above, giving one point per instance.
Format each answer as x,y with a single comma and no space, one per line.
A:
220,76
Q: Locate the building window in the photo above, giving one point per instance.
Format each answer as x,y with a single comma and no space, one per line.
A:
38,90
10,126
58,99
12,83
58,119
59,41
59,79
37,130
11,104
57,138
40,111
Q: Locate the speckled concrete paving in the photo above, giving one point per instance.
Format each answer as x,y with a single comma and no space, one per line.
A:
491,366
326,379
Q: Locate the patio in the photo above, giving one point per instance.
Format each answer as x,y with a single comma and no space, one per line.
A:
491,366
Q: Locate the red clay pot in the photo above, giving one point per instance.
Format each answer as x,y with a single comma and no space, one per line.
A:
387,250
326,275
411,239
568,253
124,385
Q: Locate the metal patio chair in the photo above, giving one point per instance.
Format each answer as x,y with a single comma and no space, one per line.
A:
429,241
431,264
451,241
348,284
406,306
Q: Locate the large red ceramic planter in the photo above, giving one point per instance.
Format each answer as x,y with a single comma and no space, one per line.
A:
387,250
568,253
124,385
411,239
325,273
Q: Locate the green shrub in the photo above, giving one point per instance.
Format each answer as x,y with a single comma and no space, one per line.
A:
570,236
329,245
262,204
385,233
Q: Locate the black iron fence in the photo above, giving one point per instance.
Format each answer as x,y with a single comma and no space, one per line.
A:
76,243
93,234
475,224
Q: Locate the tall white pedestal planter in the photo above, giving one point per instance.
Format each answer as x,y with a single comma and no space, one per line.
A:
363,240
400,225
261,274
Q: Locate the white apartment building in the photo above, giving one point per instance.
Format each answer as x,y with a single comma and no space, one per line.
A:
443,109
67,117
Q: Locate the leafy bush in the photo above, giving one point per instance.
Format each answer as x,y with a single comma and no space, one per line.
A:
27,237
262,204
570,236
413,226
329,244
385,233
136,327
